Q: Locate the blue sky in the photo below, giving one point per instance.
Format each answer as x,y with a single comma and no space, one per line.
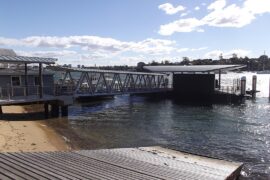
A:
121,32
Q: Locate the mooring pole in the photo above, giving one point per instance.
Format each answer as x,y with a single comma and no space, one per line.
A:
219,79
40,81
243,85
46,110
254,84
26,79
269,89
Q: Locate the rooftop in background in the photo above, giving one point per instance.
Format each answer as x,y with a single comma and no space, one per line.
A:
60,68
195,68
9,56
7,52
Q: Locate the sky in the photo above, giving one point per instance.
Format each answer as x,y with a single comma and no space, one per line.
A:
125,32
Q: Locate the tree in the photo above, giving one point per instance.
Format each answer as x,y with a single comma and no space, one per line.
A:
185,61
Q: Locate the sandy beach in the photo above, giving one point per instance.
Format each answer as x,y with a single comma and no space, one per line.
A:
28,136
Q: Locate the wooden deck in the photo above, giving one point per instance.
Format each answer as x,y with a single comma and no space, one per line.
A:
128,163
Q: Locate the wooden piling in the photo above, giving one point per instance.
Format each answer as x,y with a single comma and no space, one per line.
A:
55,110
46,110
243,86
254,86
64,111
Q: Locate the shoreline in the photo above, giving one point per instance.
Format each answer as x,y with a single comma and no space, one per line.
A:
25,135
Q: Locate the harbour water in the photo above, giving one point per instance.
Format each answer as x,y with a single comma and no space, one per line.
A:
237,132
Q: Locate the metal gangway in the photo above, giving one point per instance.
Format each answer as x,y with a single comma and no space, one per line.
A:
80,82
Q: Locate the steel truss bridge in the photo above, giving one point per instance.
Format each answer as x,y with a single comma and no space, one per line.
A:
95,82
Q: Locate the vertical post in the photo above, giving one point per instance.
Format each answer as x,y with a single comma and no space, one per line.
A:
219,79
269,89
254,84
243,85
40,81
26,79
46,110
54,110
64,111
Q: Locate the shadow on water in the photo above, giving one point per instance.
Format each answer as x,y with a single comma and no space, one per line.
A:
237,132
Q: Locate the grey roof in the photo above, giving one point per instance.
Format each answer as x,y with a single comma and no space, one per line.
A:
195,68
59,68
25,59
7,52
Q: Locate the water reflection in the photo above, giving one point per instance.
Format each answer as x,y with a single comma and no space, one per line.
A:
232,132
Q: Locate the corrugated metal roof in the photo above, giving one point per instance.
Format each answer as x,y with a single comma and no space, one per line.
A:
149,163
195,68
59,68
25,59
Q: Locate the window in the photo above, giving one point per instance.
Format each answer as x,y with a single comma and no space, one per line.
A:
36,81
15,80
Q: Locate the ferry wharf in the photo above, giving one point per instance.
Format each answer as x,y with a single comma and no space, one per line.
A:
151,163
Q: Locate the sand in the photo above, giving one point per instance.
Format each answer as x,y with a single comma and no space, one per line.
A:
28,136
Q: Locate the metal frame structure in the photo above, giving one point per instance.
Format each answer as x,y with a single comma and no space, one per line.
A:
93,82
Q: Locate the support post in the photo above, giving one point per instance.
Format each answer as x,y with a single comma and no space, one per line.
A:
26,79
46,110
55,110
269,89
219,79
64,111
254,84
243,85
40,81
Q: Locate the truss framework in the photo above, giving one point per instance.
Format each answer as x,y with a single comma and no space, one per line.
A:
96,83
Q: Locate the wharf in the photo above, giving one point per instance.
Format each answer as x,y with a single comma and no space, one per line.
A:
126,163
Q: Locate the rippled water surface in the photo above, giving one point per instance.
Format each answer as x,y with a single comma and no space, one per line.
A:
233,132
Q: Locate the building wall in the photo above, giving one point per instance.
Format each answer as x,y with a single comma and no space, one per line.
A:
5,85
197,85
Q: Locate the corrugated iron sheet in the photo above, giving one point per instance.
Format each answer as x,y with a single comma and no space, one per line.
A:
128,163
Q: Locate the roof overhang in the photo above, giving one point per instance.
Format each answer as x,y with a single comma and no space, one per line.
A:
66,69
193,69
25,60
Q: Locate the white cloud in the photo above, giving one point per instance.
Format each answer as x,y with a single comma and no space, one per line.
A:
93,44
182,25
197,8
213,54
191,49
257,7
170,9
227,54
217,5
203,4
220,15
49,54
231,16
183,14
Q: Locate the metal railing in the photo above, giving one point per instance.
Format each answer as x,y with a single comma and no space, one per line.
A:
9,92
235,88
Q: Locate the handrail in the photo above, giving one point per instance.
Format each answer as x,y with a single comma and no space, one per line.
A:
7,92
